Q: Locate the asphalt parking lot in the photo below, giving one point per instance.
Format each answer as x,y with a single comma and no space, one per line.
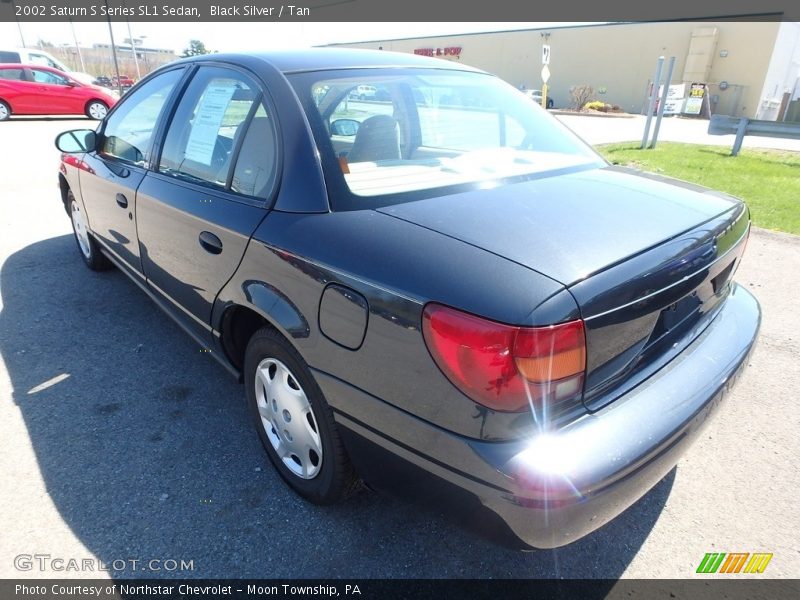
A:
139,446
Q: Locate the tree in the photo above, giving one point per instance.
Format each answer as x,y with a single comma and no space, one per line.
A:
196,48
580,95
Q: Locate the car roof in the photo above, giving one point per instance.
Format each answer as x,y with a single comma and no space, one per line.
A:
28,66
318,59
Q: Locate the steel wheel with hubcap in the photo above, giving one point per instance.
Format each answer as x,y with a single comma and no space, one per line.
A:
90,252
96,110
288,419
293,420
79,226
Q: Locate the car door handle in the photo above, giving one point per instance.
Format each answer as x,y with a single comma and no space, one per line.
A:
210,242
122,201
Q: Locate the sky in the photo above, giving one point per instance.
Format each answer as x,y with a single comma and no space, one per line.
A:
237,37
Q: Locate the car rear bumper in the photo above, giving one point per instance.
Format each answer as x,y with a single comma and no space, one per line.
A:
552,488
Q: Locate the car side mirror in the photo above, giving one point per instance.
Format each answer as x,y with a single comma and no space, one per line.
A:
345,127
72,84
78,140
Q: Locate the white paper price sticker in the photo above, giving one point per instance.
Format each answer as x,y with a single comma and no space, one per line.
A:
207,122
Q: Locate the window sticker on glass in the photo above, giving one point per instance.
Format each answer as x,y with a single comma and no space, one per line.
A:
207,123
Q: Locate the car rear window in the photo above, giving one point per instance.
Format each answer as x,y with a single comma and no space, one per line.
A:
9,57
424,130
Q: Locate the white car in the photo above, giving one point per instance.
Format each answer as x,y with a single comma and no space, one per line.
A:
536,96
364,92
29,56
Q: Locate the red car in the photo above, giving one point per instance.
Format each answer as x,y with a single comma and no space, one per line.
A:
38,90
124,81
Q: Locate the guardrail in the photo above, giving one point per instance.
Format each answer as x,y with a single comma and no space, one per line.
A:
725,125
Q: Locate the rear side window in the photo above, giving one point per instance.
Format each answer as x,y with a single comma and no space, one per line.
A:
9,57
209,129
12,74
129,128
255,170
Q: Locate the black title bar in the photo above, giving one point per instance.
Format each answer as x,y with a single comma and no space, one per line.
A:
394,10
411,589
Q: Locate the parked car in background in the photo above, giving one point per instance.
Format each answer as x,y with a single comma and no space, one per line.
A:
103,80
37,90
448,294
34,56
123,81
536,96
363,92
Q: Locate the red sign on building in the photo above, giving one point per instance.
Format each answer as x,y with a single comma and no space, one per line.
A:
449,52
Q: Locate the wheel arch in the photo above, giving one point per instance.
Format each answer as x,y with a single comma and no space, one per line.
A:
264,305
63,186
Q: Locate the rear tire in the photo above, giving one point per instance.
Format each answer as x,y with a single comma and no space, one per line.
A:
87,247
5,111
96,110
294,422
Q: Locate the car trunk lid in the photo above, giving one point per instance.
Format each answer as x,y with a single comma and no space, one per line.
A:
647,259
571,226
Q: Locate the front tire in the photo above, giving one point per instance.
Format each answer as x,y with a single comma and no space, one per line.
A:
294,422
88,248
96,110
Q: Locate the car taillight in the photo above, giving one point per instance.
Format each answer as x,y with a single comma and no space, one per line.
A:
504,367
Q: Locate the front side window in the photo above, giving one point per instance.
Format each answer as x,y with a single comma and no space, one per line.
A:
42,76
129,128
207,125
425,130
41,59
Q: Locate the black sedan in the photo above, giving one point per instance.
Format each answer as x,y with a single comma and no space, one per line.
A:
445,293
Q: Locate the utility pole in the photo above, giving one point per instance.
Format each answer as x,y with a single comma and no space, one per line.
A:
133,49
113,48
77,47
16,18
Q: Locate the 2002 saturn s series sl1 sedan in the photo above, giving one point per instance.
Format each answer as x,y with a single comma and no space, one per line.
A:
442,291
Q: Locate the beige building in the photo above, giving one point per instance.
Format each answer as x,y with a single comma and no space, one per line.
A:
751,68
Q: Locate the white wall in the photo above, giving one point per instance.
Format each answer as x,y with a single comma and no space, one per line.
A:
783,71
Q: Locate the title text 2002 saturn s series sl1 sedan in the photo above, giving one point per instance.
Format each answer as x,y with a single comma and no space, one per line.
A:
442,291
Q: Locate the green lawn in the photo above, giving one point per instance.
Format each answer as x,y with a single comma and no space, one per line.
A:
768,180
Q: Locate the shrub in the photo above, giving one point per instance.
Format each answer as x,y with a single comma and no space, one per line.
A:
580,95
596,105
